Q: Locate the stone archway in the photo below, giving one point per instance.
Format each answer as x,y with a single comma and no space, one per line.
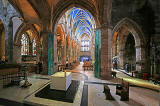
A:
2,41
64,6
121,31
24,29
58,13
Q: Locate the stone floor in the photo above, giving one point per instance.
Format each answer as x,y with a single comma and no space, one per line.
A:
96,97
18,94
137,81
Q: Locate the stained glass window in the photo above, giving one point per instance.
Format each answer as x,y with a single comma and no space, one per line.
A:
24,45
34,47
84,45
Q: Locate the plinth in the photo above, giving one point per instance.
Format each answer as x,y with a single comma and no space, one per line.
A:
61,81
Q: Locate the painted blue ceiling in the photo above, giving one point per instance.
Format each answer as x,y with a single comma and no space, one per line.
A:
81,20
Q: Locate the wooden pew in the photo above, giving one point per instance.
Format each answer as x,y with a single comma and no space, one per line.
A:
123,90
88,66
107,92
10,74
155,79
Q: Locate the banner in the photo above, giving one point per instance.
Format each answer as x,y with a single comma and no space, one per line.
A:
50,54
97,64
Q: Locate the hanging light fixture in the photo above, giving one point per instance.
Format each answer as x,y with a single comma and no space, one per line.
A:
5,4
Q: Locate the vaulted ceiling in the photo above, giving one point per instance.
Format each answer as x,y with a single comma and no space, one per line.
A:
82,21
40,11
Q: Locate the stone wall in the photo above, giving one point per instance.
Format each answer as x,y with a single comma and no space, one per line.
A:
8,26
146,13
140,11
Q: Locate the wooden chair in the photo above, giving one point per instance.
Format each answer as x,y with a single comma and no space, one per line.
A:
155,79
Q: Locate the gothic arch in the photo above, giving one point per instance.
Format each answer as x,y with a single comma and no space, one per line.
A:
134,28
122,29
22,29
64,6
17,41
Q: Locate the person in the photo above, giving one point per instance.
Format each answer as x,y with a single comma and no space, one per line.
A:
66,64
127,67
114,64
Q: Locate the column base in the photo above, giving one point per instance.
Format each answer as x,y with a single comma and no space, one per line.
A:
44,72
106,74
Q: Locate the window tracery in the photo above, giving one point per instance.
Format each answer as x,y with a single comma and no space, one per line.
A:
34,47
24,45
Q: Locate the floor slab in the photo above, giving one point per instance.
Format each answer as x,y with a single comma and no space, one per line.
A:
43,102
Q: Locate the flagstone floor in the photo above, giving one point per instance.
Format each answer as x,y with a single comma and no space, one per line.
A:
94,92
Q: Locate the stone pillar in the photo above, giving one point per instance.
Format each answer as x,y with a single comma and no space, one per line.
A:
37,52
9,43
17,58
45,52
63,54
73,54
77,53
106,44
140,58
69,54
121,57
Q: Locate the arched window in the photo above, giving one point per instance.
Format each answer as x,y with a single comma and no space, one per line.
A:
24,45
84,45
34,47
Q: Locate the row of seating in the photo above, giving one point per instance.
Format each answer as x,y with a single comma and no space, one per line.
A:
122,90
11,74
68,66
88,66
74,64
155,79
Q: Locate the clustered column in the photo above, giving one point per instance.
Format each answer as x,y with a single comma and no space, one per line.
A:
106,44
45,51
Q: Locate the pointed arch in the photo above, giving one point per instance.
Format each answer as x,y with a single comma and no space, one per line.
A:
121,31
134,28
60,9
